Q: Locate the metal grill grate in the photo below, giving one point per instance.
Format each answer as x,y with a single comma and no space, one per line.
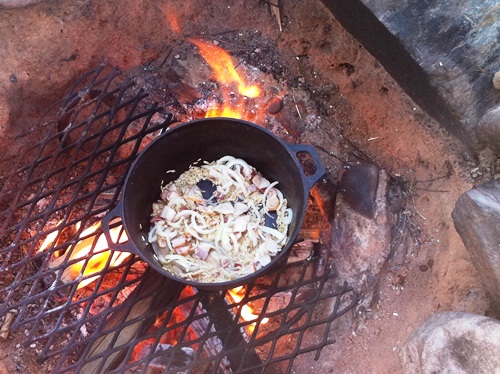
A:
130,319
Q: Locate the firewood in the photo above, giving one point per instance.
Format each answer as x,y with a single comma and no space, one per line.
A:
147,298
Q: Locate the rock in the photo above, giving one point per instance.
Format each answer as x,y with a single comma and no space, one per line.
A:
457,343
358,186
476,217
18,3
361,245
488,130
274,105
475,300
496,80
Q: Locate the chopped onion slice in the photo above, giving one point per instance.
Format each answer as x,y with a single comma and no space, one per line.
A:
278,235
287,216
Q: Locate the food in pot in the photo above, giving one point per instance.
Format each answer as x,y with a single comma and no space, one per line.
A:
219,221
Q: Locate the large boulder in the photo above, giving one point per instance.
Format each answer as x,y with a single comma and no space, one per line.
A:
444,54
488,130
457,343
476,217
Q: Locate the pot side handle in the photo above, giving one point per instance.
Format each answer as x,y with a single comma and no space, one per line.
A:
309,181
116,212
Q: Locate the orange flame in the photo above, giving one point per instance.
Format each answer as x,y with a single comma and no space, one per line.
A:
229,81
100,254
247,313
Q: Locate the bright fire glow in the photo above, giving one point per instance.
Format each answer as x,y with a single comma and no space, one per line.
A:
49,239
229,81
247,313
97,261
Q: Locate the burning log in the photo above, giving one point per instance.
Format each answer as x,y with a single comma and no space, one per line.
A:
247,313
93,252
230,82
108,351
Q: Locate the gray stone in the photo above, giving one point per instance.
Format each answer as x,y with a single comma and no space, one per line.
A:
476,217
361,245
488,130
453,343
18,3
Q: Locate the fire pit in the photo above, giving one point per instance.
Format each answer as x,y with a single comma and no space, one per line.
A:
91,310
69,304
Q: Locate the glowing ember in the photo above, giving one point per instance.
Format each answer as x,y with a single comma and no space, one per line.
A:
247,313
171,17
98,250
229,80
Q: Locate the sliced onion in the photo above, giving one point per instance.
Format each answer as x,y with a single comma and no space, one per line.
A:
238,161
201,229
240,208
192,231
277,234
225,159
183,213
287,216
264,195
236,247
152,234
224,208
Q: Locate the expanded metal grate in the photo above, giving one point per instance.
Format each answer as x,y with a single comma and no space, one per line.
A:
92,311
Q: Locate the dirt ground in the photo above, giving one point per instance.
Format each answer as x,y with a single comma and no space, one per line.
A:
45,47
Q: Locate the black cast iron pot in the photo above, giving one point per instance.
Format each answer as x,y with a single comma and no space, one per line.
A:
209,139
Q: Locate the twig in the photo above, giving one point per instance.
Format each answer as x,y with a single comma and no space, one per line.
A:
276,12
410,189
429,190
296,106
5,327
434,179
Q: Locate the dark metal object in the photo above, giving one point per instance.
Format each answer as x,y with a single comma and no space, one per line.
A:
208,140
228,329
358,187
76,174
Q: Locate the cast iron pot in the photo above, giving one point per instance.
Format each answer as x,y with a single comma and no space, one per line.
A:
209,139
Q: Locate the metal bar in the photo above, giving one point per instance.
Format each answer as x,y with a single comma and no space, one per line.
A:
228,329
